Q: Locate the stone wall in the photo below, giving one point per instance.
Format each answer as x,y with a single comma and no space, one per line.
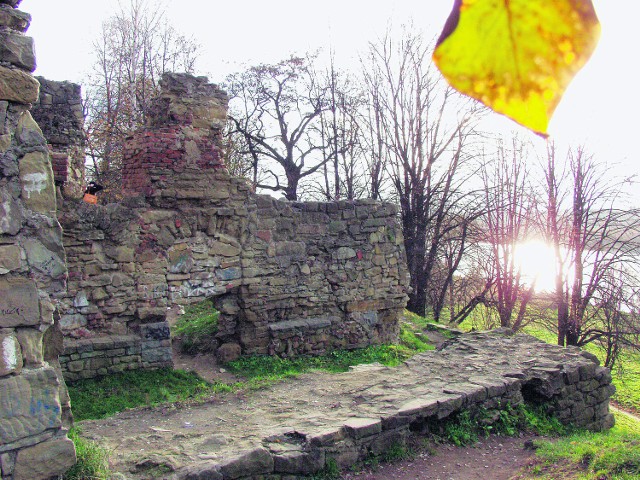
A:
60,115
33,401
288,278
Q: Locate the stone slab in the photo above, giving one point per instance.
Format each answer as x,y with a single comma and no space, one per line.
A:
29,405
18,86
45,460
19,302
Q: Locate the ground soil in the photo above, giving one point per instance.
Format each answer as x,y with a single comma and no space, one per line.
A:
492,458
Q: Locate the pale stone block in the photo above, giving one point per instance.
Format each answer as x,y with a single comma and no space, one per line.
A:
19,302
45,460
10,354
29,404
18,86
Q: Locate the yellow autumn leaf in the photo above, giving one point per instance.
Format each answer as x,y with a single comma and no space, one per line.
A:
517,56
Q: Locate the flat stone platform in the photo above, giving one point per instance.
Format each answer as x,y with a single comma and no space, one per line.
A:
297,427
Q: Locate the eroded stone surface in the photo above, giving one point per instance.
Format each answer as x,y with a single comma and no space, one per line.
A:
29,405
45,460
32,271
18,86
308,421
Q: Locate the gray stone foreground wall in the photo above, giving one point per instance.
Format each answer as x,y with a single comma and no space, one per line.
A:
289,278
568,384
33,400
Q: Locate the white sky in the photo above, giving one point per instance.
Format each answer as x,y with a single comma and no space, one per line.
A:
601,107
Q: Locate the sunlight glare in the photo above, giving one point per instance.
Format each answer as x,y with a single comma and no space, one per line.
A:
536,261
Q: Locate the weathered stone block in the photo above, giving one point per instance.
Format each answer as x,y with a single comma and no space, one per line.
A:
300,463
17,49
29,404
71,322
255,462
228,352
18,302
155,331
14,19
363,427
30,340
45,460
18,86
344,253
10,354
36,175
9,258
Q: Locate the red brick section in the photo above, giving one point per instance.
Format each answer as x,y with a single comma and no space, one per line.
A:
165,148
60,165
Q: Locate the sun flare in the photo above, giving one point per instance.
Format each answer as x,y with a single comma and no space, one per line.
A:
536,260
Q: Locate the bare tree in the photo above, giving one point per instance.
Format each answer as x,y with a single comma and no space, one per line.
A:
596,243
509,221
427,133
277,109
341,132
134,48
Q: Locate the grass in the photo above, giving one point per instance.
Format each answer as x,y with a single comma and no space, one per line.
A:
103,397
92,460
626,378
197,327
466,427
611,455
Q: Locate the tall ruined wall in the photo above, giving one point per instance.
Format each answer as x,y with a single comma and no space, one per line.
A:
33,399
59,113
288,278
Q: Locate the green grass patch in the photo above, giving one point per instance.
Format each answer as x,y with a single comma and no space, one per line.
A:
466,427
611,455
93,460
103,397
197,327
274,368
626,378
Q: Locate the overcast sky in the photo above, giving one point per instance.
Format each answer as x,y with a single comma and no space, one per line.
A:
600,108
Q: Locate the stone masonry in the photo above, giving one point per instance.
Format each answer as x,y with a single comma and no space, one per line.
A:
33,400
298,427
60,115
288,278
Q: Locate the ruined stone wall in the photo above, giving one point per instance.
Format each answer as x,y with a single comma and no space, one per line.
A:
33,400
288,278
321,275
59,113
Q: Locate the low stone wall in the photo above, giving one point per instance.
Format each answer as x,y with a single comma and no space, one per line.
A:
101,356
563,381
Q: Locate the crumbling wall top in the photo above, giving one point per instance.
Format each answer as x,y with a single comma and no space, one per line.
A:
188,100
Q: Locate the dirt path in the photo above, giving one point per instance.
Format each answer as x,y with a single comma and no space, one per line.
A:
493,458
